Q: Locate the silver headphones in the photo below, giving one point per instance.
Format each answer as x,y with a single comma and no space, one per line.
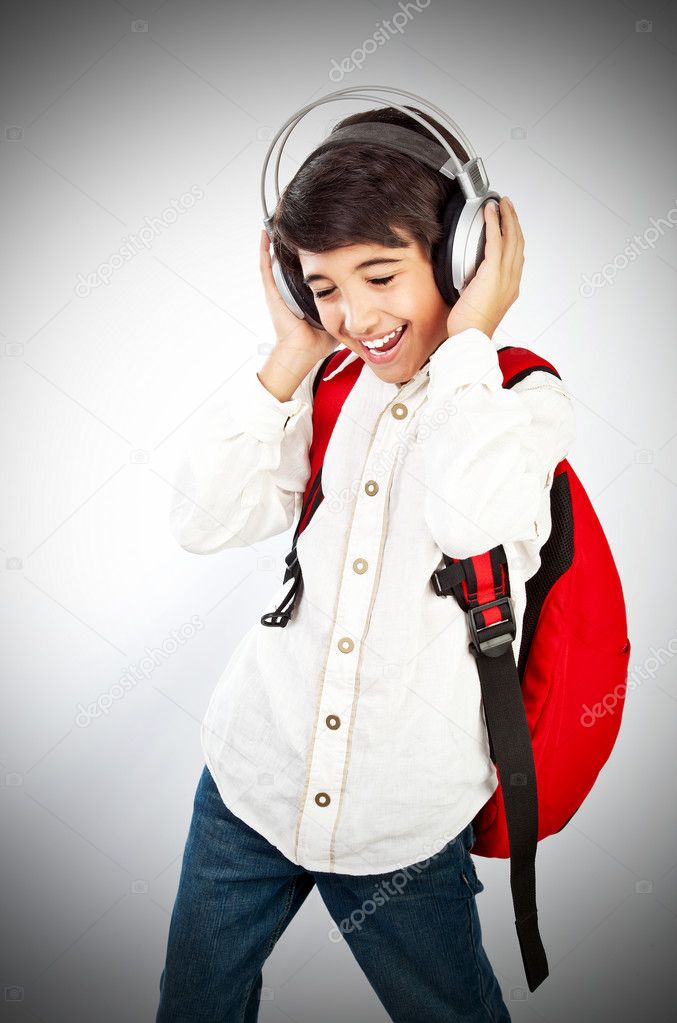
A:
461,249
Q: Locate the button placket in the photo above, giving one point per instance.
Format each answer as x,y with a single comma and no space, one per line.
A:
358,577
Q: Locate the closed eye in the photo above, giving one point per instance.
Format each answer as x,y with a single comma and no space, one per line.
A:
380,281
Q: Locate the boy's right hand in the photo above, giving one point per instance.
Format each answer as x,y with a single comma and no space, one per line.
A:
292,333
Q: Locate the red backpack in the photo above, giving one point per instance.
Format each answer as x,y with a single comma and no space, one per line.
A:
545,738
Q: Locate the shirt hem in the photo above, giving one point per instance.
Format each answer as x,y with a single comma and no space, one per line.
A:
308,864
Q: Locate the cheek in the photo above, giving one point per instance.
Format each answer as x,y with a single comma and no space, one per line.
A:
331,317
422,303
326,319
435,311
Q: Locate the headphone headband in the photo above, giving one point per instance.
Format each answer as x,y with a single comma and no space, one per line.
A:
392,136
471,176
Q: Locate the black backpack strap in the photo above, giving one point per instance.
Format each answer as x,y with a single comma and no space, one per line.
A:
509,736
282,614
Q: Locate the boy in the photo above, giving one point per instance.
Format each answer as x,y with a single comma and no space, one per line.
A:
349,749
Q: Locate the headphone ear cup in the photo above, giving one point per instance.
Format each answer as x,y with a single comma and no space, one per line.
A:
305,301
296,298
441,256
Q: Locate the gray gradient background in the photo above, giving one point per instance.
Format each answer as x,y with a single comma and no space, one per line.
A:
102,126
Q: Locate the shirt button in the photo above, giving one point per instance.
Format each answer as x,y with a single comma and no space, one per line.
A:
345,644
360,566
399,410
322,799
371,487
333,721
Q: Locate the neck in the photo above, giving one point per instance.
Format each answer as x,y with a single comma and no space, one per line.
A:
403,382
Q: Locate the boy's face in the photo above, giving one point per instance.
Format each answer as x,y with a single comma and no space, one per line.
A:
352,307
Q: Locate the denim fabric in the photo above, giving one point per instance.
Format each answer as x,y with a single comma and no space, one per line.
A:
414,932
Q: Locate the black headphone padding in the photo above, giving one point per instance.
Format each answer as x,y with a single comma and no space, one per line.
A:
303,296
441,254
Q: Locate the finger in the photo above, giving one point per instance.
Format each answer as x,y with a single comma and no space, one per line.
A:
517,249
272,295
266,243
272,292
265,263
515,226
493,238
511,264
509,232
520,235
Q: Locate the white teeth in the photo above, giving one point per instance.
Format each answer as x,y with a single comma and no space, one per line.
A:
380,341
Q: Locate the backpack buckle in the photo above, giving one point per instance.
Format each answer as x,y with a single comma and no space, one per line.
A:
276,618
493,645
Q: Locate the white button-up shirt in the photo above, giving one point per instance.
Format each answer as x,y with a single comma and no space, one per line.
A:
354,738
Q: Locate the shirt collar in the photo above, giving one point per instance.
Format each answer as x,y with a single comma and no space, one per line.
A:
424,370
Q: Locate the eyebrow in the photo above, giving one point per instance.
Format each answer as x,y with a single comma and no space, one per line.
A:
360,266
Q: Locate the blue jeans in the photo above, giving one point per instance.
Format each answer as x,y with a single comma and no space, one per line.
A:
419,945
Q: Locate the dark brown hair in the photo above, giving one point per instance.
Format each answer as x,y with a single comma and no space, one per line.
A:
358,193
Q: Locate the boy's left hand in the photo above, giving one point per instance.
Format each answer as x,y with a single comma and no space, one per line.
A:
495,286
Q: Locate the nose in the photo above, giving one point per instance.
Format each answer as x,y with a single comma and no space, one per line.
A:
358,318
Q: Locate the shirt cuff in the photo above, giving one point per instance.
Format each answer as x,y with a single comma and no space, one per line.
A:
469,357
258,412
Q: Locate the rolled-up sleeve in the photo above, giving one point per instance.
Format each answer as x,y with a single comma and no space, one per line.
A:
491,454
242,477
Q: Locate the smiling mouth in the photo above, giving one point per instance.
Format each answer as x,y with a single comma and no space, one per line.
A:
388,349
